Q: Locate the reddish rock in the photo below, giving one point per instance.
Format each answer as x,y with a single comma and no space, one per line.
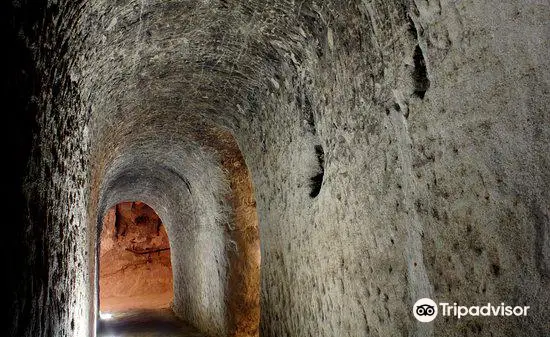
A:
135,268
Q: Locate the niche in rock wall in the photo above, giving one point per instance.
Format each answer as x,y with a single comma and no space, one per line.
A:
135,271
317,180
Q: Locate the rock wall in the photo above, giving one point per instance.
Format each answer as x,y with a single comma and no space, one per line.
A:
397,149
49,244
135,271
435,181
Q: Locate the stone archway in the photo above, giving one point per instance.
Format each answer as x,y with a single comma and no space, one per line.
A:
209,210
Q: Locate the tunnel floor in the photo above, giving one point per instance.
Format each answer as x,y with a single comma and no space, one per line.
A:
145,323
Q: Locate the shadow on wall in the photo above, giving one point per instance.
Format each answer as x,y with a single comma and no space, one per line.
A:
135,268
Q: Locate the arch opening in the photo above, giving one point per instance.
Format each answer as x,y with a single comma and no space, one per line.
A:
208,208
135,269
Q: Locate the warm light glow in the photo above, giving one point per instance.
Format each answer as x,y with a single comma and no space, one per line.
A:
105,315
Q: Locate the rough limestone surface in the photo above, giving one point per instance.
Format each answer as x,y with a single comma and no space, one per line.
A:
397,150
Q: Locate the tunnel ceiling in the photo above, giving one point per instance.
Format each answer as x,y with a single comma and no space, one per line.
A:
164,77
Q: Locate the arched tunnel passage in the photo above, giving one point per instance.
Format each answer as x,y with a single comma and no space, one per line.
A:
135,270
432,117
209,213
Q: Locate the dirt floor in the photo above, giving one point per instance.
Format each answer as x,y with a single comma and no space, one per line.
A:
145,323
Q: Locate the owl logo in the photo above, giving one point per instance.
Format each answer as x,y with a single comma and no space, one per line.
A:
425,310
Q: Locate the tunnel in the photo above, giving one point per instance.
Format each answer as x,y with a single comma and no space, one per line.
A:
276,168
135,268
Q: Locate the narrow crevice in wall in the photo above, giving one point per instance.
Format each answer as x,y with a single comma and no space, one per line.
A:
317,180
420,74
421,83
